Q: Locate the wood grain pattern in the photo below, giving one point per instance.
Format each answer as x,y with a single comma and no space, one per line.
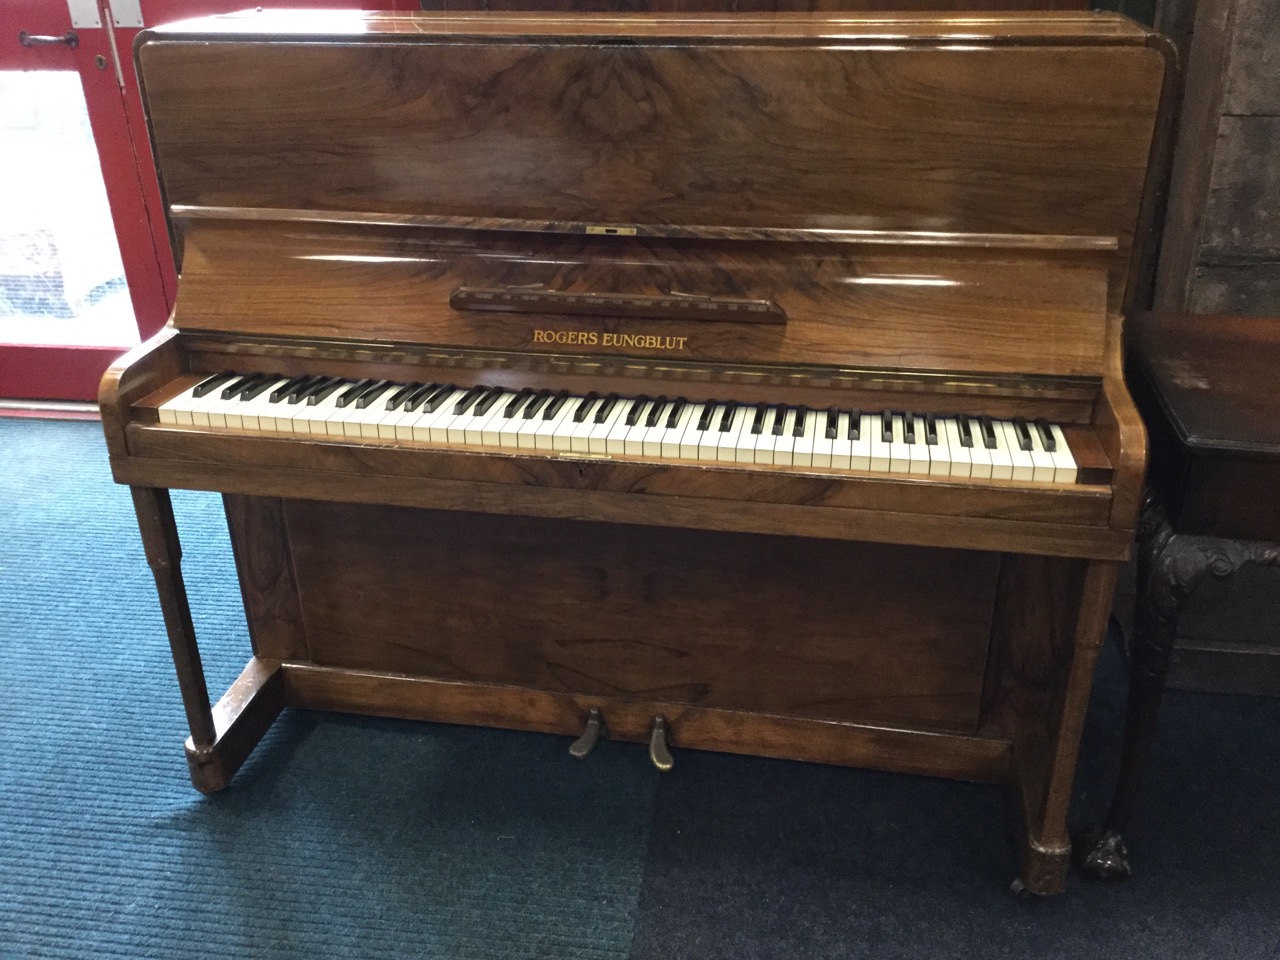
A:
905,751
822,629
845,305
743,6
698,132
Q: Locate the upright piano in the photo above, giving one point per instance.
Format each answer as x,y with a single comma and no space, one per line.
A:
745,383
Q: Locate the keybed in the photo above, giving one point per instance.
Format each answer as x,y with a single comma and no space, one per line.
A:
663,427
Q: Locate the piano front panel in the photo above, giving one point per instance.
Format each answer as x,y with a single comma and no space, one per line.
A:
866,633
1025,311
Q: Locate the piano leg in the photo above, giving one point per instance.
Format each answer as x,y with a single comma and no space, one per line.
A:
1047,740
221,736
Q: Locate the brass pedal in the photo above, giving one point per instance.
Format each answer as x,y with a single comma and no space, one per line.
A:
595,729
659,755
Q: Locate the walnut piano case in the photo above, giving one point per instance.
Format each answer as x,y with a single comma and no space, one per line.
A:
805,219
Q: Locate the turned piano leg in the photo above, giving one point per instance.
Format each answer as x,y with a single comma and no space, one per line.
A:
1170,568
221,736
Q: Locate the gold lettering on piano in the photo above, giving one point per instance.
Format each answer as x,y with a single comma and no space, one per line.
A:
570,338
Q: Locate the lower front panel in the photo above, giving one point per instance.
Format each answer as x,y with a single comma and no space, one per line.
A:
867,633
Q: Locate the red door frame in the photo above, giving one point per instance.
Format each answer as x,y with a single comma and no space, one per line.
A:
72,373
119,128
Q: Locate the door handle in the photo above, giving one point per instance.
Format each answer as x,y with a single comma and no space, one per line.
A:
32,40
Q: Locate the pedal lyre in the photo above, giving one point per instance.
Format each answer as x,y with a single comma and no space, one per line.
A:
590,736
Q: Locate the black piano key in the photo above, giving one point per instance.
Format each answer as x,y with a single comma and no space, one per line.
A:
467,399
1047,439
988,432
327,390
584,407
533,406
966,431
886,426
433,401
516,402
403,394
833,423
260,387
931,430
422,394
757,425
779,419
708,411
855,424
487,400
802,416
556,403
606,407
378,389
305,391
677,408
239,384
655,412
909,427
206,387
730,414
353,392
637,408
1024,434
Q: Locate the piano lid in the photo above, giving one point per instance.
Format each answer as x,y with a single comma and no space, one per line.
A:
1015,130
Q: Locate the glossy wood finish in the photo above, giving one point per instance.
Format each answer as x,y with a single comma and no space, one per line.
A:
845,304
745,6
544,119
942,220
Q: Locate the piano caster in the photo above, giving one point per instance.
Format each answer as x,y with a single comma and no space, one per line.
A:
659,755
595,729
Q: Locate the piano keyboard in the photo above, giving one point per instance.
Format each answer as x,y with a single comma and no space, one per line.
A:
668,428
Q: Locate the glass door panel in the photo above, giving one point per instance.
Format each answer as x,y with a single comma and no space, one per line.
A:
61,276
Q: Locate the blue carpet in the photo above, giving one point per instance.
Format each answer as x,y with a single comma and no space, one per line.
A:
352,837
342,836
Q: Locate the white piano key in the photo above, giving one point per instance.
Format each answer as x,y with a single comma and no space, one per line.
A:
940,452
899,452
918,452
767,439
979,455
727,440
580,430
802,449
671,441
880,459
651,438
960,457
176,411
821,442
1023,468
1042,468
842,446
860,449
744,446
616,441
633,441
692,436
1001,460
709,438
785,442
562,427
597,441
1065,469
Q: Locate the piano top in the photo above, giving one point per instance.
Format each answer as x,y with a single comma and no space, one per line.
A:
879,28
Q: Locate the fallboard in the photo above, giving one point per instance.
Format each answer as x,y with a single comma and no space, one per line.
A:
906,306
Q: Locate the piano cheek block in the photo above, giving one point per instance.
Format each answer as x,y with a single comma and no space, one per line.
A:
880,527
